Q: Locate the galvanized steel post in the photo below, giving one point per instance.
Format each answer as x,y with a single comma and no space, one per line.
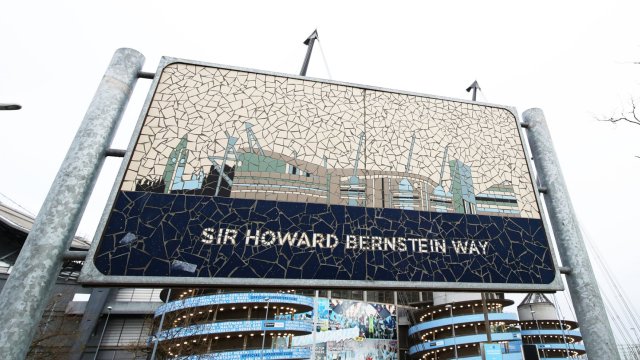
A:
26,292
587,301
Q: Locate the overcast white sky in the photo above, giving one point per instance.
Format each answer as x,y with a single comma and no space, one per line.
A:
570,58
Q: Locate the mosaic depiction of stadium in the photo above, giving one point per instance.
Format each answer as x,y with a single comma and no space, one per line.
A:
237,134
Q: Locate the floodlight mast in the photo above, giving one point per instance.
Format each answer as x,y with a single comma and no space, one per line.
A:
475,87
483,295
309,42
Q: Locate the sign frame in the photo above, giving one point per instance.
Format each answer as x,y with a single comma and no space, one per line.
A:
90,275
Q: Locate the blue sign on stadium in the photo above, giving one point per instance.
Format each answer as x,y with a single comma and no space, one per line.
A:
492,351
236,177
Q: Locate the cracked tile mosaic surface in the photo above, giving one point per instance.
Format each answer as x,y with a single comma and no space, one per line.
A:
249,175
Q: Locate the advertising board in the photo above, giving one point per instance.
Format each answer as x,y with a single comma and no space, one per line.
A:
239,177
492,351
352,330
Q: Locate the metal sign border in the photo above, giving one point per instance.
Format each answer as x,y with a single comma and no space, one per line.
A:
92,277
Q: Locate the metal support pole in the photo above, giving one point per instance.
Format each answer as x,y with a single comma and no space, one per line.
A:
90,319
264,328
485,313
104,328
453,330
115,152
483,295
25,295
561,320
156,338
587,301
315,324
540,340
79,255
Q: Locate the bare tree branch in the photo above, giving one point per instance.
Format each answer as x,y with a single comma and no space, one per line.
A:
631,117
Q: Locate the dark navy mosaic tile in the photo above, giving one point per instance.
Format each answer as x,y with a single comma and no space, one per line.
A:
351,243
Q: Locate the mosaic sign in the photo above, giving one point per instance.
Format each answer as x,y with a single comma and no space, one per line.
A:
239,177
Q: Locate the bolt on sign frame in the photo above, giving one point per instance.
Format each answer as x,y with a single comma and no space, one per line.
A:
244,178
